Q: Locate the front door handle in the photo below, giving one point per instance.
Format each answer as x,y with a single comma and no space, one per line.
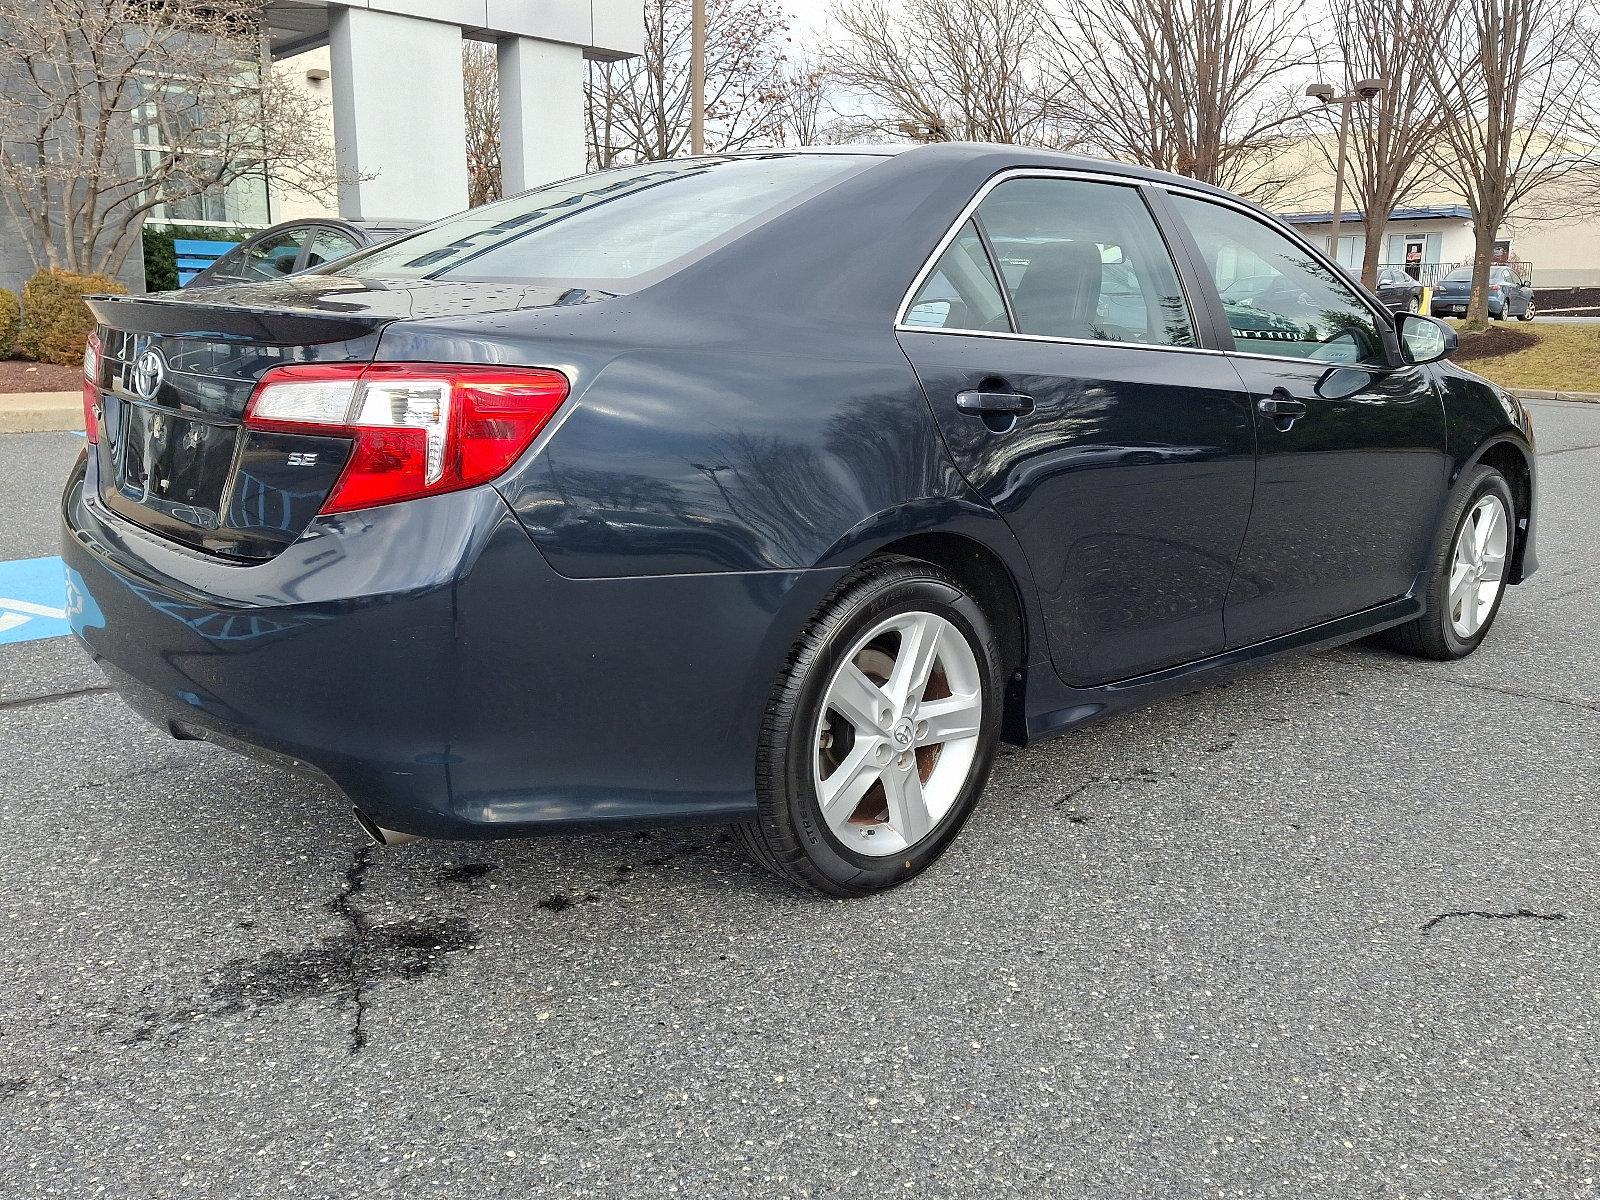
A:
1283,409
1281,406
1004,404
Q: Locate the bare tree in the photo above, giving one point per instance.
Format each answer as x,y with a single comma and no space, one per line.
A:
1197,87
966,70
109,108
803,88
480,74
638,109
1516,82
1390,137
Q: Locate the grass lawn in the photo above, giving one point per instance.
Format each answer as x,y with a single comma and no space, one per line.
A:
1553,357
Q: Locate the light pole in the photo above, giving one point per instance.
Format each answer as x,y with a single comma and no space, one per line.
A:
1361,93
697,79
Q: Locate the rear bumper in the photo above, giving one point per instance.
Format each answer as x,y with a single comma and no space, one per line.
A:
425,658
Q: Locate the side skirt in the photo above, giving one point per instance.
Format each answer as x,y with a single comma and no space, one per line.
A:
1054,708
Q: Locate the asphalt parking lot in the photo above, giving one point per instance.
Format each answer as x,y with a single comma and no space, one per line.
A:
1330,930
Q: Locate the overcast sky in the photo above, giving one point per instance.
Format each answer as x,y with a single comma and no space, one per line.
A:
809,18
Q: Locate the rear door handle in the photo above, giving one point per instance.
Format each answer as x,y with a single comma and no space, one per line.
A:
1006,404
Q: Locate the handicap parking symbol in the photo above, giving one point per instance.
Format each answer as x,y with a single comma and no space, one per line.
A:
33,600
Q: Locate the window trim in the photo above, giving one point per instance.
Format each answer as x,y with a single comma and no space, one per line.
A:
1190,274
969,211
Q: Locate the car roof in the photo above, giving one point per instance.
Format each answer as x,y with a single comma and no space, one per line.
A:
964,152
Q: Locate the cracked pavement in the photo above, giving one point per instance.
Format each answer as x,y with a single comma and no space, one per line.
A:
1326,930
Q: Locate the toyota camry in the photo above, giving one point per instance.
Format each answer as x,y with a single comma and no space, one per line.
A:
773,489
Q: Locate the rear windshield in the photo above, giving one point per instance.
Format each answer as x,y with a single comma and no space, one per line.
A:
610,230
1460,273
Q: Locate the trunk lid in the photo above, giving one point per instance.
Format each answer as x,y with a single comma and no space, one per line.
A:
176,373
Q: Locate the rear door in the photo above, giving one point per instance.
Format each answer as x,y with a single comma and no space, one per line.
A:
1352,467
1063,363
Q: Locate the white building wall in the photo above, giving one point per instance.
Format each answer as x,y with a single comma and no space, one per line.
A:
309,73
399,119
542,127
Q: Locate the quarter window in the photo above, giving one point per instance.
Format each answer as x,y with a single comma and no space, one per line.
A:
1279,299
962,292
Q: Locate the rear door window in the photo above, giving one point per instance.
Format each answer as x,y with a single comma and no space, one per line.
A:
1084,261
271,257
329,243
1278,297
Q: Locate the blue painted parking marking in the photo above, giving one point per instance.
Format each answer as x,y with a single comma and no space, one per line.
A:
33,600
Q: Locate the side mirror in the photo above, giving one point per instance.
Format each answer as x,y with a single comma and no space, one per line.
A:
1423,339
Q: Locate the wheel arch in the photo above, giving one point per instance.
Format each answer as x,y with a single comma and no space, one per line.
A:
1515,461
1004,597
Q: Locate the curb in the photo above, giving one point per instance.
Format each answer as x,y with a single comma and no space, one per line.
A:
1546,394
41,412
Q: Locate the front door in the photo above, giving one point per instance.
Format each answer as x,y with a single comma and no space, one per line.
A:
1059,355
1352,470
1415,248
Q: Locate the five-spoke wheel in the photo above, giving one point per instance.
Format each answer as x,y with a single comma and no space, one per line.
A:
1472,566
1478,564
879,737
898,732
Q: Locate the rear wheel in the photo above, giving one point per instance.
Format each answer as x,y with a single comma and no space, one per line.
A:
1414,304
879,738
1470,571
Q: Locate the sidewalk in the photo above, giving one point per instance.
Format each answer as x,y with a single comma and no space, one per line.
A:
41,412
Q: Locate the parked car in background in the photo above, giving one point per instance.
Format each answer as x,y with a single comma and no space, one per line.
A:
1398,290
1510,294
772,488
297,246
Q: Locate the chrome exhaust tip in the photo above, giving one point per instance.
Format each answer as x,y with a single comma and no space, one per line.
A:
381,836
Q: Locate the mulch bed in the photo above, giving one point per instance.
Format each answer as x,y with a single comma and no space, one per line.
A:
17,375
1492,343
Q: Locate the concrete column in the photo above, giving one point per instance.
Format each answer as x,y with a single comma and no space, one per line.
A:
398,115
541,113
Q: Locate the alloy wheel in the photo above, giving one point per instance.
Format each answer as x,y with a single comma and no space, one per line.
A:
898,733
1477,566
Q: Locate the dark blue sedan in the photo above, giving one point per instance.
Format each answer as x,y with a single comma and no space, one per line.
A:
773,489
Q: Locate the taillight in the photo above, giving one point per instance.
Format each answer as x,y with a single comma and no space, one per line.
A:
1494,289
419,428
91,395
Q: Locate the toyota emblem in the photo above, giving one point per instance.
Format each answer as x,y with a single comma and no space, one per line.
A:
149,370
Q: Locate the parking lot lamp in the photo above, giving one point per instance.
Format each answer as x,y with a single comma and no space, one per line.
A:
1361,93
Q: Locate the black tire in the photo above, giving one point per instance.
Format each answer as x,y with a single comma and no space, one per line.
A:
789,836
1528,315
1414,305
1432,635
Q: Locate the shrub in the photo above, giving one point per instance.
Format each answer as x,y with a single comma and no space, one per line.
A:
55,321
10,316
161,259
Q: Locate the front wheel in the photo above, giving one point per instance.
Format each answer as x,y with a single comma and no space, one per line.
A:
1414,305
1470,569
1527,315
878,739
